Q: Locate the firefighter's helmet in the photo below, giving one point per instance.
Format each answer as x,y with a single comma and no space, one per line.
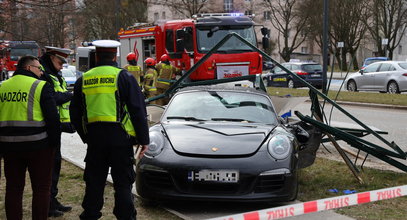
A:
164,58
149,61
131,56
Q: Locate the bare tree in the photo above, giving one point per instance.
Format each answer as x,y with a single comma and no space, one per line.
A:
43,21
104,18
387,21
291,24
347,26
186,8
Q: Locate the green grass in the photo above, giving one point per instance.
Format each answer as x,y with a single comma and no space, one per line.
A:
324,174
365,97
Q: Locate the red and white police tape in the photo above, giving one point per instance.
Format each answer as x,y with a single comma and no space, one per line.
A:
320,205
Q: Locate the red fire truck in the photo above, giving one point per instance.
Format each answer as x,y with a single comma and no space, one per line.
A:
187,41
11,51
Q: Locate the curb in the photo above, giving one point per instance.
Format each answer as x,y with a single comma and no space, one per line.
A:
370,105
373,105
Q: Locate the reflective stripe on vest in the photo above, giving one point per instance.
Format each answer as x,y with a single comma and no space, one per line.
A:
64,108
99,85
20,107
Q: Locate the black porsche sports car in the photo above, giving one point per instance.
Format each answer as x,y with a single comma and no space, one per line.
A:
213,143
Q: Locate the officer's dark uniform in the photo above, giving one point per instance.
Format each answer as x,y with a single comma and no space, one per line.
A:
110,146
28,144
60,98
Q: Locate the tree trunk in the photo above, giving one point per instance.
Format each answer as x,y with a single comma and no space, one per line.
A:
343,63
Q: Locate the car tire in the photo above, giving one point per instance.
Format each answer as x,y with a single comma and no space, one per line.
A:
290,84
393,88
352,87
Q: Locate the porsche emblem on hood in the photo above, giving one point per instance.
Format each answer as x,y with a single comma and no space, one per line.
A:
214,149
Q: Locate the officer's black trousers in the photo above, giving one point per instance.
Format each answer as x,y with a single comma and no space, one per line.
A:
98,160
56,170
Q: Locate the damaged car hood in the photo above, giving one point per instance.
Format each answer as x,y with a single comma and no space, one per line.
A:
216,139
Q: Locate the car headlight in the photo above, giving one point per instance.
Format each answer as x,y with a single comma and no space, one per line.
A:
279,147
156,144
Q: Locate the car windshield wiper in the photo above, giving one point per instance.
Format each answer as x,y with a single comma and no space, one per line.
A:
186,118
231,119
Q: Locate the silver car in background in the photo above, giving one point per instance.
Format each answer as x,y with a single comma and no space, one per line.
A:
386,76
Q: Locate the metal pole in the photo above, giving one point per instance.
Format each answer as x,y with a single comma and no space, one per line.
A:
325,46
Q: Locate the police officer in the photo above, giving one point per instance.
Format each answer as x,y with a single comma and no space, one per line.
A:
166,72
109,113
52,62
29,134
133,68
150,79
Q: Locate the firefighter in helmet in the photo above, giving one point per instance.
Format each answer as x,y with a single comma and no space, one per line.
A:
133,68
166,73
150,79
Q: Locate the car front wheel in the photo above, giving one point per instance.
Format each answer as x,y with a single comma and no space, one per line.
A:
352,86
393,88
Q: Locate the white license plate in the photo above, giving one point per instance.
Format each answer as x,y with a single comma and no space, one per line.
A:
225,176
315,75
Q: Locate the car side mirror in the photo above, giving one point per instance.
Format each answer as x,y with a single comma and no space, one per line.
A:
361,72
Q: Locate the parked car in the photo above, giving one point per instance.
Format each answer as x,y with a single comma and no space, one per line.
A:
268,65
221,144
69,76
371,60
309,71
386,76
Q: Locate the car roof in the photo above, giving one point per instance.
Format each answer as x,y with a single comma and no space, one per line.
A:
377,58
301,63
222,88
389,61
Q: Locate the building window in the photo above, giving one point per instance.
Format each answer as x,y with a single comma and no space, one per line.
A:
267,15
400,49
304,49
228,5
163,15
156,16
249,12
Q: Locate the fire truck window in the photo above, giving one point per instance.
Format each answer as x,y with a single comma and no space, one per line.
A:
169,40
189,40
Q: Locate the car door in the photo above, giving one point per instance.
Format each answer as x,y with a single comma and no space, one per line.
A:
381,77
366,80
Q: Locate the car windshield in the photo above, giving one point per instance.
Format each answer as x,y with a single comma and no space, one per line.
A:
67,73
312,67
221,106
367,62
207,41
403,65
16,53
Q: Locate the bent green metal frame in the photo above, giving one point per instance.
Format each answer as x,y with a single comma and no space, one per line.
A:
339,134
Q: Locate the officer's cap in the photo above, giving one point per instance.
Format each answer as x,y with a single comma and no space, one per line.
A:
106,45
61,53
